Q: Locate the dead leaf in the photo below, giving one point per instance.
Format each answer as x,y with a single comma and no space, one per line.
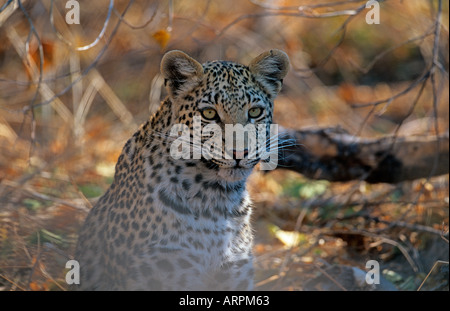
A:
34,286
288,238
162,37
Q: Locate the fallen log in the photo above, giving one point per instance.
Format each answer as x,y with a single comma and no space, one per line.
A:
335,155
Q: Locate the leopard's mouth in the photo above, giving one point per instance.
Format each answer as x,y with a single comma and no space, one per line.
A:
238,164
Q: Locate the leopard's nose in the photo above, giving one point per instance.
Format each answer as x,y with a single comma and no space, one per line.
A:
237,155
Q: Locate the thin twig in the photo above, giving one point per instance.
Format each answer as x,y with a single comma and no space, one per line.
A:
297,227
42,196
330,277
431,270
381,239
444,232
12,282
94,62
41,70
36,260
145,24
415,83
5,5
97,39
382,54
303,7
431,73
221,32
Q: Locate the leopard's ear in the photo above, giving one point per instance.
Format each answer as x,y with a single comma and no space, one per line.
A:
181,72
269,68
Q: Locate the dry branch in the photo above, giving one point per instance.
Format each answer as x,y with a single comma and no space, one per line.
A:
334,155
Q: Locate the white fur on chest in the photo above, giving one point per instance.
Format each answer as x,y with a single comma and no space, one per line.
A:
215,239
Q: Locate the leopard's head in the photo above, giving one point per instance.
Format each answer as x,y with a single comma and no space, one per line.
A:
224,109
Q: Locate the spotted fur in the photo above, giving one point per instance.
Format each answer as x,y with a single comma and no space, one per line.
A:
167,224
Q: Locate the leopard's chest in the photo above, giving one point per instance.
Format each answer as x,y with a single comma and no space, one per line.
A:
202,229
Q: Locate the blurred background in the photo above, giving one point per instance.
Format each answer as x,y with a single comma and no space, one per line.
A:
72,94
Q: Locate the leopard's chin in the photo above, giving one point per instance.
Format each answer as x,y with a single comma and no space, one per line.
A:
234,174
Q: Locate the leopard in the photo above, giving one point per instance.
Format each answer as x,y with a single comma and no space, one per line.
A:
183,223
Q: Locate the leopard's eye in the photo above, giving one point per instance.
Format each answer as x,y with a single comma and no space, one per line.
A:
209,114
255,112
